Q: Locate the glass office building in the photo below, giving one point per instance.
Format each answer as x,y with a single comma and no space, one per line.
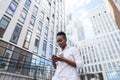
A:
27,36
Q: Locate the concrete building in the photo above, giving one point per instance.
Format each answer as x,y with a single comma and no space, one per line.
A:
27,37
101,54
114,8
102,20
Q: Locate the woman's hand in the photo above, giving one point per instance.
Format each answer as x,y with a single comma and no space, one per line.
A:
54,58
57,58
70,62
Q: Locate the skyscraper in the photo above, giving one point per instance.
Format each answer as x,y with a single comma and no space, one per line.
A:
27,36
74,28
80,31
101,54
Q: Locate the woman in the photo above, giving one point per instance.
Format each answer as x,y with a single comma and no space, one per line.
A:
67,60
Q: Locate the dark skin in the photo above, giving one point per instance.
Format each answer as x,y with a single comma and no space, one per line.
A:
62,43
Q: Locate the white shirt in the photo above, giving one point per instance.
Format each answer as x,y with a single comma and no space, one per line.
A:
65,71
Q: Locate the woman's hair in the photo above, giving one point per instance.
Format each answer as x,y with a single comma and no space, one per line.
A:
61,34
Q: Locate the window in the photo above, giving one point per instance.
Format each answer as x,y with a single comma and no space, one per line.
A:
56,50
36,45
42,61
89,69
34,60
23,15
44,48
32,22
12,7
5,55
52,26
93,16
57,22
14,61
96,67
41,16
48,8
92,68
6,58
47,22
21,59
27,4
114,65
40,27
2,49
85,70
16,33
3,24
51,37
50,51
27,39
44,4
38,1
57,29
35,10
100,67
43,8
106,66
46,32
53,18
53,9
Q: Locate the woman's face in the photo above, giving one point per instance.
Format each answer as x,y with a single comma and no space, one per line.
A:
61,41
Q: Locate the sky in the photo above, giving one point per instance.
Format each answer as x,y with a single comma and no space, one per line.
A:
79,9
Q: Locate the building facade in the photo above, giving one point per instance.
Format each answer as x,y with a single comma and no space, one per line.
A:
27,35
102,20
101,54
114,8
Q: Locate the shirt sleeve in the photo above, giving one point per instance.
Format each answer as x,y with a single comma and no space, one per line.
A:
78,59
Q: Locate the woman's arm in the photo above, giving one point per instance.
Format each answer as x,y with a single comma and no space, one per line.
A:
78,61
54,64
70,62
54,60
